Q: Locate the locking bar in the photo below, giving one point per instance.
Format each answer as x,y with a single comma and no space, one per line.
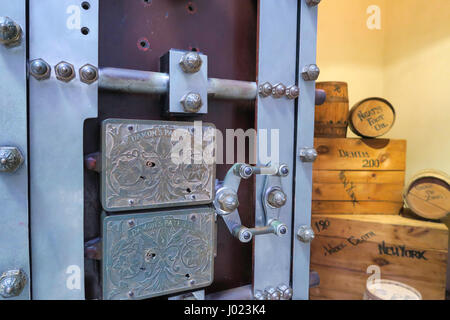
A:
147,82
226,201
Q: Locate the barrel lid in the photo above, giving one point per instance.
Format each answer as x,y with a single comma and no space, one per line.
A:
391,290
427,194
372,117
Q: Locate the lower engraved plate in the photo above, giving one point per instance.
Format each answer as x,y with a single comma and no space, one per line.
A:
154,164
147,255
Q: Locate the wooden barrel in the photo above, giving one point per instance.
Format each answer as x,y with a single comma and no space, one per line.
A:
427,194
390,290
372,117
331,119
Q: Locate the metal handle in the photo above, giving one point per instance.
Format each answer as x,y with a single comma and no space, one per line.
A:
226,202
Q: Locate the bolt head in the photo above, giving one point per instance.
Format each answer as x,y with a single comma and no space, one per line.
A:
64,71
88,74
245,235
228,202
312,3
259,295
308,154
292,92
310,72
10,159
245,171
305,234
283,170
278,90
285,292
192,102
12,283
191,62
40,69
10,32
272,294
276,198
265,89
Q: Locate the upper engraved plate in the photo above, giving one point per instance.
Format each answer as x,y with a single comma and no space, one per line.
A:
154,164
147,255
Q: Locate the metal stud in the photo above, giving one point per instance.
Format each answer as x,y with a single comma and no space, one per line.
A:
192,102
65,71
276,198
305,234
191,62
292,92
265,89
40,69
10,32
310,72
228,202
12,283
308,154
312,3
278,90
10,159
272,294
88,74
285,292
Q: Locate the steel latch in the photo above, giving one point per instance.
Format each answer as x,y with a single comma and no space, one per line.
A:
226,201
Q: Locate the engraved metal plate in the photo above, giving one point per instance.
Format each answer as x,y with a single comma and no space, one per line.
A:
147,164
153,254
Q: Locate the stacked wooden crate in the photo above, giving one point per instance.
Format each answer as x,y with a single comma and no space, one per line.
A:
357,200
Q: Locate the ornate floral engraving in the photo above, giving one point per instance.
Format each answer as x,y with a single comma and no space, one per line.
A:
139,172
158,253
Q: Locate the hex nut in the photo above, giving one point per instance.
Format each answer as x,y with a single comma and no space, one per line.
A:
265,89
64,71
310,72
276,198
305,234
40,69
278,90
292,92
88,74
312,3
308,154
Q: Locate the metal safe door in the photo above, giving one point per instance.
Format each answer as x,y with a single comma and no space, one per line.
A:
100,119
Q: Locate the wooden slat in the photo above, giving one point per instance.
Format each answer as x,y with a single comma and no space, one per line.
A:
360,154
361,207
357,192
364,177
417,234
346,245
350,285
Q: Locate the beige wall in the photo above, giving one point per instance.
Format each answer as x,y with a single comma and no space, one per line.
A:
406,62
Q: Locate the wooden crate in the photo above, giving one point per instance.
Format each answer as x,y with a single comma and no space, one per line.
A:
410,251
358,176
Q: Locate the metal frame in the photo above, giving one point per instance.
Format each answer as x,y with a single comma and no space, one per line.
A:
277,29
14,229
307,39
57,114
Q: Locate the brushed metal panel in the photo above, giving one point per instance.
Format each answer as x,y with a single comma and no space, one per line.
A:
138,171
157,253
